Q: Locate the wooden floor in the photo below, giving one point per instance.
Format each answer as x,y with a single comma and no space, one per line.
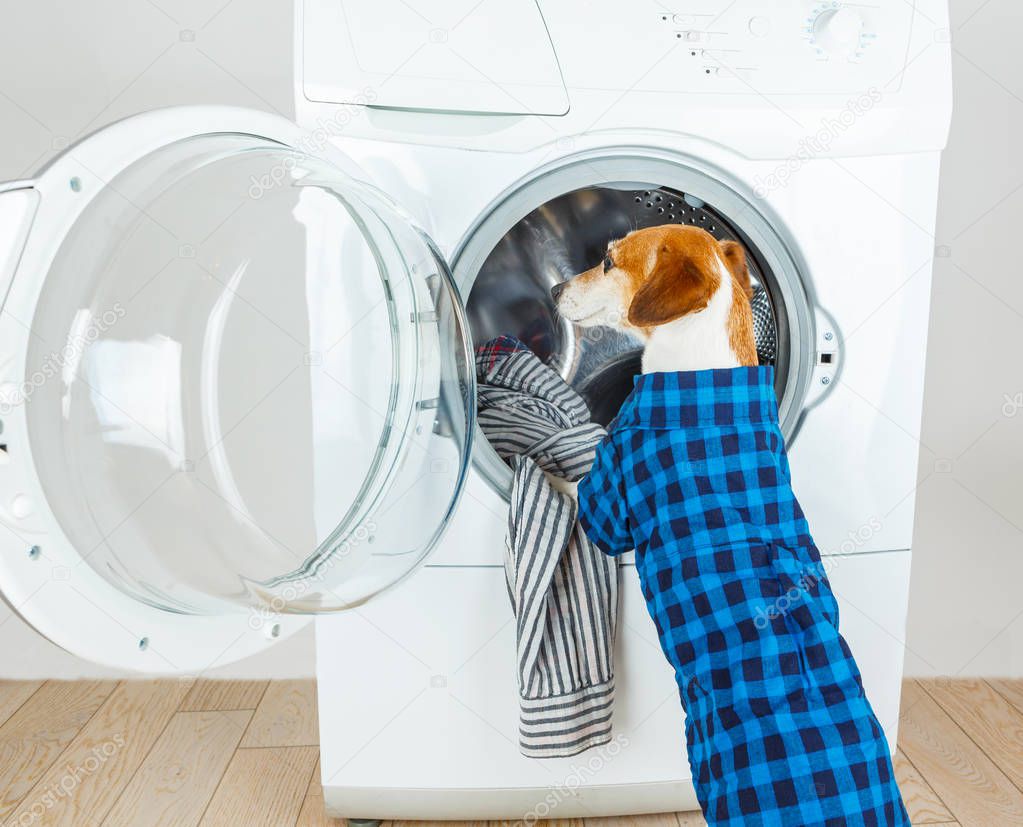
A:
232,753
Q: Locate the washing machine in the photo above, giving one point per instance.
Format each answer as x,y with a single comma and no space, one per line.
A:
237,391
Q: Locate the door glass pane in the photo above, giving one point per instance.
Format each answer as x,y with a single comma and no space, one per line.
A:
256,384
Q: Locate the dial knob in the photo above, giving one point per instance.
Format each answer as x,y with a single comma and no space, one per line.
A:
837,31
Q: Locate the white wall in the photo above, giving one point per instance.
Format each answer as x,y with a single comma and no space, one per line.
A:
966,604
67,68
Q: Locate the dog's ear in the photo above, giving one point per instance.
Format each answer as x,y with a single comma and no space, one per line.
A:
679,284
735,258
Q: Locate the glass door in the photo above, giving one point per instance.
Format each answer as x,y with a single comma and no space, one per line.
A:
248,380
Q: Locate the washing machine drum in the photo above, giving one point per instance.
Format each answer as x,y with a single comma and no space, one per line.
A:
568,235
237,376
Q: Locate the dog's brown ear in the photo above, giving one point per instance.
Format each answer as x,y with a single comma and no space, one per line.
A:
735,258
679,284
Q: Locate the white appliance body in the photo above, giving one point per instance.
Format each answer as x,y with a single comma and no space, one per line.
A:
841,151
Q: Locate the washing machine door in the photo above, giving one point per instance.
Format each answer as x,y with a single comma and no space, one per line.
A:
237,389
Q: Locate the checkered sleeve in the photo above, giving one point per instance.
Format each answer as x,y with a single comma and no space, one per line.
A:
603,512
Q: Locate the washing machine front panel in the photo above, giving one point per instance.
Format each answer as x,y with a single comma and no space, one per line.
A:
864,273
239,381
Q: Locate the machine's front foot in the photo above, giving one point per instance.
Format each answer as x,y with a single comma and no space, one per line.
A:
363,822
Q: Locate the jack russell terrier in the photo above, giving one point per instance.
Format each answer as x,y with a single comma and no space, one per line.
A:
693,475
682,292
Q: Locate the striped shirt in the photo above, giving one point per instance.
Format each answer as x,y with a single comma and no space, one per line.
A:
563,590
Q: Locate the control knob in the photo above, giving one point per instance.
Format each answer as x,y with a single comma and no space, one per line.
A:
838,31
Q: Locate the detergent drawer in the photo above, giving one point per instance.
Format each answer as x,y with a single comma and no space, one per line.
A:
439,56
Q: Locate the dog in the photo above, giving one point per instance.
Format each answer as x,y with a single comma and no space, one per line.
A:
693,475
678,289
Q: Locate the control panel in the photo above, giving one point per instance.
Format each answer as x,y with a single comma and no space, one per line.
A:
740,46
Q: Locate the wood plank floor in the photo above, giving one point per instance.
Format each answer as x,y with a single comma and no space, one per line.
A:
245,753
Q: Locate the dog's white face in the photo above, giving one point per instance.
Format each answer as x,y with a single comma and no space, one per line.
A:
600,296
659,275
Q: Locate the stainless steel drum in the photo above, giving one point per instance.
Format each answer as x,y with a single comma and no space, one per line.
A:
538,235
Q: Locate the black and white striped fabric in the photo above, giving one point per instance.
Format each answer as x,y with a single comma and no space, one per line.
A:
564,591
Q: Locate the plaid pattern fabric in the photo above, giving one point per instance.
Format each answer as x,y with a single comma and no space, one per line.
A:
694,476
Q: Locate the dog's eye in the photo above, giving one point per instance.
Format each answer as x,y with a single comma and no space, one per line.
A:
608,263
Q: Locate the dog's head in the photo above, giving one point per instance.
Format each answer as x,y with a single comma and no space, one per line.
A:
657,275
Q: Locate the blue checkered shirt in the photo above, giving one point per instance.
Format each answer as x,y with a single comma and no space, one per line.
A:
693,475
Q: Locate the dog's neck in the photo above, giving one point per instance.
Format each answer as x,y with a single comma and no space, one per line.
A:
698,341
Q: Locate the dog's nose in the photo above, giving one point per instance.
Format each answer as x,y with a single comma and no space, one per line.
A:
558,289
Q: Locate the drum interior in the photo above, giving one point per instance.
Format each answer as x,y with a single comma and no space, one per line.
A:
567,235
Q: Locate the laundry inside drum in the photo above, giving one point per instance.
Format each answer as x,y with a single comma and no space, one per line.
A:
511,294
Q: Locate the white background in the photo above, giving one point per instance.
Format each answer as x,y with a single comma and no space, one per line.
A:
68,68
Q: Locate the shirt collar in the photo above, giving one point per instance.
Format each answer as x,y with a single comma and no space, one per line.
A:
729,396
